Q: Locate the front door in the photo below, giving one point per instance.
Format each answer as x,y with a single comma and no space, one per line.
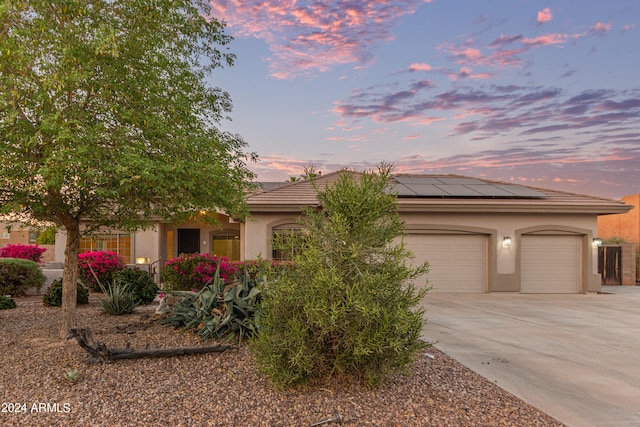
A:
188,241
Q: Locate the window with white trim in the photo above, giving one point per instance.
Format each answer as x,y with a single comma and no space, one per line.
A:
286,241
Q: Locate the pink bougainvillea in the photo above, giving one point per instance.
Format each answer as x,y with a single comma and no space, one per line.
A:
30,252
103,264
190,271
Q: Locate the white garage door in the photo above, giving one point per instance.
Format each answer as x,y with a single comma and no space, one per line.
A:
457,263
551,264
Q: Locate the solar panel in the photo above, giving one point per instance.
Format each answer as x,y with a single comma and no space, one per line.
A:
490,190
461,187
458,190
460,180
520,191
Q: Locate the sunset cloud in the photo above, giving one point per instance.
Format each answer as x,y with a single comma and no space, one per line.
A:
524,95
307,37
544,15
420,67
496,110
600,28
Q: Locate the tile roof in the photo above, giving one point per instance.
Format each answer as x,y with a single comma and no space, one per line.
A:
444,193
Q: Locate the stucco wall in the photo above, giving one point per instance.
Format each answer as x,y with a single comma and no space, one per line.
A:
503,272
626,226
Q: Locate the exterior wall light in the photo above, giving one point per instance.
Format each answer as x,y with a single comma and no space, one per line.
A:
143,260
506,242
597,242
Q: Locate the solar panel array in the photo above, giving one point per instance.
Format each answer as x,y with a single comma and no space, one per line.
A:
460,187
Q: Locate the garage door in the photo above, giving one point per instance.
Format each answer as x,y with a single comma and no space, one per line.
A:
457,263
551,264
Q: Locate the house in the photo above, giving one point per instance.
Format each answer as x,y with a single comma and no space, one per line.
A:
477,235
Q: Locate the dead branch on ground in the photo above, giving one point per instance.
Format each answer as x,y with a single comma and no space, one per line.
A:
101,353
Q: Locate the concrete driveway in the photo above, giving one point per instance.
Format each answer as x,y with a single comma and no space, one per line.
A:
575,357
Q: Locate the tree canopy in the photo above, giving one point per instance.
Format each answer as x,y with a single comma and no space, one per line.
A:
106,114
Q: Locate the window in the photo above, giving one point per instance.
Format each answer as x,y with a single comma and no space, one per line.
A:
286,241
33,236
115,242
227,244
5,234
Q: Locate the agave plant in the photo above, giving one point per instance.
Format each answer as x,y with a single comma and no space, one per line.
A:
218,310
119,299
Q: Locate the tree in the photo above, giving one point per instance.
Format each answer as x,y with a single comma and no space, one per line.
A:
106,115
310,172
350,305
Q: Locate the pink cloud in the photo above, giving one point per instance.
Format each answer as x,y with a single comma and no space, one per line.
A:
308,37
544,15
600,28
469,54
547,39
420,67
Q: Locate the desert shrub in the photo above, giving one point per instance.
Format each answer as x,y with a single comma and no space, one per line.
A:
30,252
6,302
141,284
47,236
103,263
218,310
193,271
119,299
53,296
350,307
18,275
260,269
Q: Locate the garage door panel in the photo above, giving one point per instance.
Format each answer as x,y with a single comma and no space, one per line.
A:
551,264
457,263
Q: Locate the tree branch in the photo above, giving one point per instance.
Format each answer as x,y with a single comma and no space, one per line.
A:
101,353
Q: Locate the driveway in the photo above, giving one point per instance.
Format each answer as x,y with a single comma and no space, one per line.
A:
575,357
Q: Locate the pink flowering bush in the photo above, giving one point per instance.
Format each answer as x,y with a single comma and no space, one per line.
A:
193,271
103,263
30,252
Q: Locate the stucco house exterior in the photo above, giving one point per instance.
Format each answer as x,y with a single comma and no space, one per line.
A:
477,235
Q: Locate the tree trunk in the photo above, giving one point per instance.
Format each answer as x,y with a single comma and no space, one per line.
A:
70,279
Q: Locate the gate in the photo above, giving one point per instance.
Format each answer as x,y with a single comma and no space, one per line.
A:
610,264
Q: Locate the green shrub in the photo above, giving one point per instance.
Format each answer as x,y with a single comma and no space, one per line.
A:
47,236
18,275
6,302
218,310
53,296
350,306
141,284
119,299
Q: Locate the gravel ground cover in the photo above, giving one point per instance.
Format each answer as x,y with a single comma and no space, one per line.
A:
217,389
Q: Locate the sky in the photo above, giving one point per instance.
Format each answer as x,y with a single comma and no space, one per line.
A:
539,93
